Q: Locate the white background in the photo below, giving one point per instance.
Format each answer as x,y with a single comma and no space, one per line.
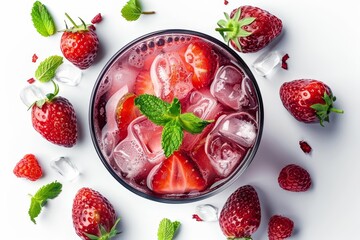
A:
322,40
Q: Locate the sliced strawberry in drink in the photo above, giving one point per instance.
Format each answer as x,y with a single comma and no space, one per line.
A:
143,84
126,111
177,174
204,62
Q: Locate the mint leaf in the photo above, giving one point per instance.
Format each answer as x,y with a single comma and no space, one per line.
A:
167,229
42,20
171,137
192,123
47,68
46,192
155,109
132,10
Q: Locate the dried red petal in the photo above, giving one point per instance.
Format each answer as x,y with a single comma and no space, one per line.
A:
283,61
226,2
31,80
305,147
197,218
97,19
34,58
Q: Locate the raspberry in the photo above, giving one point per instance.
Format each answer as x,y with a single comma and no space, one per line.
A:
280,227
28,167
294,178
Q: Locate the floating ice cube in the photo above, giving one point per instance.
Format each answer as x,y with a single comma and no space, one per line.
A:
30,94
65,167
68,74
267,62
207,212
228,87
140,149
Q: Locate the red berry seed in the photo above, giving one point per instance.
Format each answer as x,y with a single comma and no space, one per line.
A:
97,19
305,147
283,61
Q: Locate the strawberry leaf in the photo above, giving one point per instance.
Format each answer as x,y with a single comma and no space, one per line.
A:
47,68
42,20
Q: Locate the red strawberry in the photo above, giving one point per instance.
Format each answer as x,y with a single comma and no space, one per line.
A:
177,174
249,29
280,227
55,120
241,215
93,215
308,100
28,167
125,113
143,84
79,44
199,55
294,178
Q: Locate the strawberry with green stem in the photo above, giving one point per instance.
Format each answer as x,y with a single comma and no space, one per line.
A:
249,29
79,44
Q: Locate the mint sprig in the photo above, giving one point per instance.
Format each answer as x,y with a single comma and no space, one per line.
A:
46,192
47,68
170,117
167,229
42,20
132,10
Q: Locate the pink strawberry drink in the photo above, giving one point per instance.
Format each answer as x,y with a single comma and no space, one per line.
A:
195,75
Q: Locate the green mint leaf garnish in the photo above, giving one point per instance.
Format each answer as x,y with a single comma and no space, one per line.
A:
169,115
132,10
46,192
167,229
47,68
42,20
171,137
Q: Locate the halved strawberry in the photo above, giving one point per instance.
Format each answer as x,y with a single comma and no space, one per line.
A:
177,174
200,56
126,111
143,84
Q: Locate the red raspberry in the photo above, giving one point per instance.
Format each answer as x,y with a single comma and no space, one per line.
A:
294,178
280,227
28,167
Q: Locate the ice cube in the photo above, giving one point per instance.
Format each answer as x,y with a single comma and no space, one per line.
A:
65,167
140,149
240,128
267,62
68,74
30,94
170,76
229,87
206,213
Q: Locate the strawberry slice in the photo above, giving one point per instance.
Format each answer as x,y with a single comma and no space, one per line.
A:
199,55
177,174
143,84
126,111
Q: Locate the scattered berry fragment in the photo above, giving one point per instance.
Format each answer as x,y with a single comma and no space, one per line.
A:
34,58
294,178
28,167
283,61
280,227
226,2
31,80
97,19
305,146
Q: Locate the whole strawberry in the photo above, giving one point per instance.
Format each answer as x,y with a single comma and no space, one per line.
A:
241,215
55,119
249,29
294,178
79,44
93,215
280,227
308,100
28,167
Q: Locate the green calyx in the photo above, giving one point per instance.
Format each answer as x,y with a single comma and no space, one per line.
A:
323,110
104,235
232,28
49,96
83,27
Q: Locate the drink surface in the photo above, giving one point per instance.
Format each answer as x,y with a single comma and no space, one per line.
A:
209,82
